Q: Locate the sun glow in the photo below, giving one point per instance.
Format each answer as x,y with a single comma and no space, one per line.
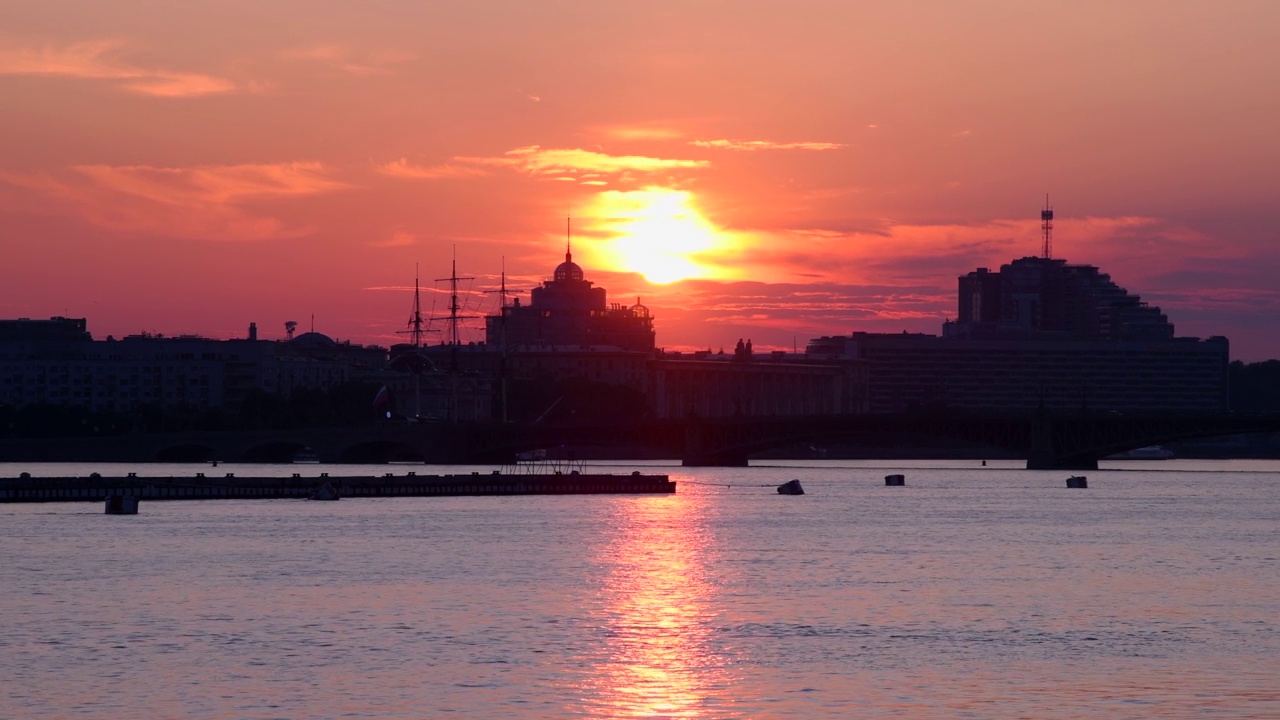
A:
656,232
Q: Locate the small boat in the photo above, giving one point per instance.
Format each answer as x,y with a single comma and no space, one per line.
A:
1077,481
895,480
790,487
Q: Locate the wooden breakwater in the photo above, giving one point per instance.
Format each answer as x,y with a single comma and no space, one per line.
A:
231,487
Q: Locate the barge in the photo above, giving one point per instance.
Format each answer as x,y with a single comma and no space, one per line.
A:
230,487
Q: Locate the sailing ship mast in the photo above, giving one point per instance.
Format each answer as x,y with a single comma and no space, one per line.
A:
415,320
502,340
454,340
417,327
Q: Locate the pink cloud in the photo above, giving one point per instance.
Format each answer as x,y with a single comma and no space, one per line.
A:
349,60
95,60
632,132
754,145
199,202
552,162
402,168
399,238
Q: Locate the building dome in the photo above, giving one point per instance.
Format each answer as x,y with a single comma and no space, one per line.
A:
312,340
568,270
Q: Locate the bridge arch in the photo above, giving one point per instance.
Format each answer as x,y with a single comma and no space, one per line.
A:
186,453
279,451
379,451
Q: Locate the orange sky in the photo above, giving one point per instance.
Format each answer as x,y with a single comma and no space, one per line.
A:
771,170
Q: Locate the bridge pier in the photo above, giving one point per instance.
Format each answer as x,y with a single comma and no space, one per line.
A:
1048,462
722,458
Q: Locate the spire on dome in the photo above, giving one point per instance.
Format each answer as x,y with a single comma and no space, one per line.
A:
568,270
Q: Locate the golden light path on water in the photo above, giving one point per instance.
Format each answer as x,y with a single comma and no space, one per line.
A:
655,610
657,232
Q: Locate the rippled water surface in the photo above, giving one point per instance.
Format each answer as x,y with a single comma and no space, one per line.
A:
973,592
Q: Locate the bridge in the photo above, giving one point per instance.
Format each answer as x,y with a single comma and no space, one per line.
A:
1047,440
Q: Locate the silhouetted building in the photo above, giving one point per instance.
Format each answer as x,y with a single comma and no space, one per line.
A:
568,311
746,385
1041,332
568,331
55,328
1040,298
58,362
906,371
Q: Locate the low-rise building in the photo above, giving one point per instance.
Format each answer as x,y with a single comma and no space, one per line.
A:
57,362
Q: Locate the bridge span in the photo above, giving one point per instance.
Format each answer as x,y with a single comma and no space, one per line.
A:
1047,440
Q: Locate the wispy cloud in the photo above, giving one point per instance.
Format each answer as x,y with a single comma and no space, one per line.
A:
209,202
754,145
402,168
540,161
216,184
99,60
558,164
349,60
398,238
641,131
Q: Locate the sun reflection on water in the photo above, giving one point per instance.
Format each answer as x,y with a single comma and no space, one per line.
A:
655,614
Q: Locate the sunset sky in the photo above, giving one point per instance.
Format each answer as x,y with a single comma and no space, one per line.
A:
749,169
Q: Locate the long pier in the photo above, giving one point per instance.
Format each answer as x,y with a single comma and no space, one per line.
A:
231,487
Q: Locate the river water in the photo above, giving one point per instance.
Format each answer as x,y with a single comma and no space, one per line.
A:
973,592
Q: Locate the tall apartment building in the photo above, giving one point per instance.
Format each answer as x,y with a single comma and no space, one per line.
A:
1041,332
1041,298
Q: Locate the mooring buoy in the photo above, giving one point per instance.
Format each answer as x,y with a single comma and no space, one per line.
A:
1077,481
895,480
122,505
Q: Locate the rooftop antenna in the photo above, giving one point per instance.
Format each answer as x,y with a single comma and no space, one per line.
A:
1046,229
568,256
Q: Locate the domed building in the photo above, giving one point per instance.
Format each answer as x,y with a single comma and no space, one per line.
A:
568,312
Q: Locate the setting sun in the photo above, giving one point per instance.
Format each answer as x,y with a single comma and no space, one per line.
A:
655,232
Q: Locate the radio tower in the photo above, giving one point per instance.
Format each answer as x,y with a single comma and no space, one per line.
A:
1046,228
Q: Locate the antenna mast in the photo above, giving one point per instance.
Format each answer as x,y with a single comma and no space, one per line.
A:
1046,229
